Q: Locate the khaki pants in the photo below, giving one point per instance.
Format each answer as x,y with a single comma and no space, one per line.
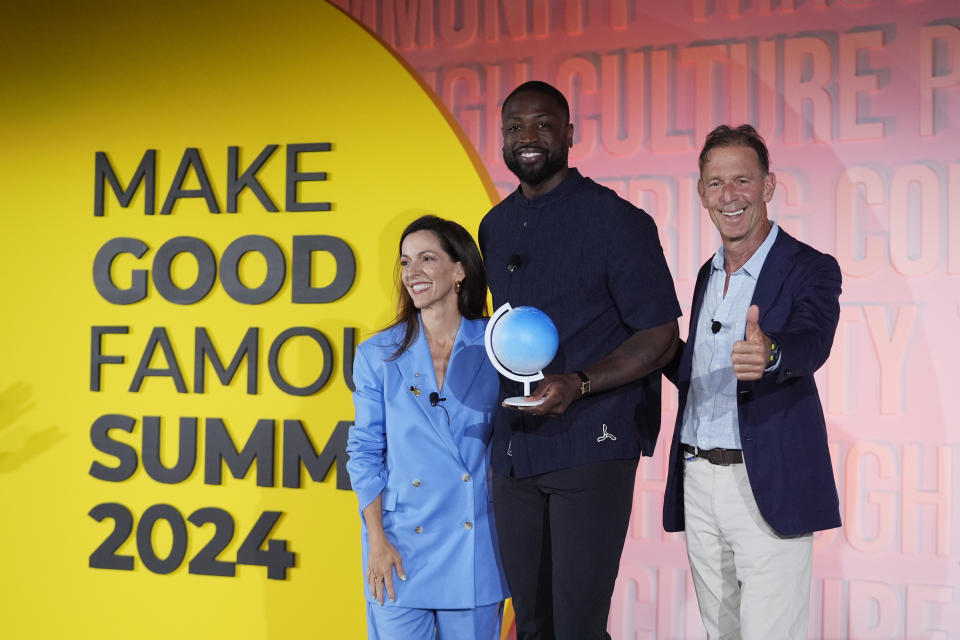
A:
751,582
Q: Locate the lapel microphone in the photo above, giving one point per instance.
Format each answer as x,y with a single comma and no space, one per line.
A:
435,399
715,326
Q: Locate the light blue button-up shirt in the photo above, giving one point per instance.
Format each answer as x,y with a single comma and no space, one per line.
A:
710,419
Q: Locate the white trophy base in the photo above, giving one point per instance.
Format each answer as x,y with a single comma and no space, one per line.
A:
519,401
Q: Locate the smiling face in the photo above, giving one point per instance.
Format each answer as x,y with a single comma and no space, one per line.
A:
537,136
735,191
428,273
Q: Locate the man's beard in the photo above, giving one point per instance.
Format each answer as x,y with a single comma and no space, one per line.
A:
534,174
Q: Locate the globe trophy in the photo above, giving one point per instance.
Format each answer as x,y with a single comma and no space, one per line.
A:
520,343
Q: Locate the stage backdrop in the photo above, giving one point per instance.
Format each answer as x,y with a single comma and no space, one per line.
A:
859,103
201,206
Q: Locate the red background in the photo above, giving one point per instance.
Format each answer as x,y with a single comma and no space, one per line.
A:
858,102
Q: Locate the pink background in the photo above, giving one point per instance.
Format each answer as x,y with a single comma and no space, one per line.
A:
859,104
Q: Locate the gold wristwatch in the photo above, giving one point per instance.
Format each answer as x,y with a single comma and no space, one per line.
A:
584,383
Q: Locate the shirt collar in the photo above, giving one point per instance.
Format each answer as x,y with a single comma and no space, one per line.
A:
558,193
752,266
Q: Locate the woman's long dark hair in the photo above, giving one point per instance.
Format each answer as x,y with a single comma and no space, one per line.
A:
460,246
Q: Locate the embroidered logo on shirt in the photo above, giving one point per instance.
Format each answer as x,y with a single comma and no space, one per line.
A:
606,435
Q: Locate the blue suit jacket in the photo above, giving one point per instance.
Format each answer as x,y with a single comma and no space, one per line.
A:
431,470
782,429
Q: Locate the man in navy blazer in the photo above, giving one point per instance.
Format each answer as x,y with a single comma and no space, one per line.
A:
749,475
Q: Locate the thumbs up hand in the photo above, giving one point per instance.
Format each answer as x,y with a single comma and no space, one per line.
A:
752,355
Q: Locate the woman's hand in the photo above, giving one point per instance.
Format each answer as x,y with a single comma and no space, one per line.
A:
384,558
381,564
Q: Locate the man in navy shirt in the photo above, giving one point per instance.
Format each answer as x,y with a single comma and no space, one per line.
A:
564,470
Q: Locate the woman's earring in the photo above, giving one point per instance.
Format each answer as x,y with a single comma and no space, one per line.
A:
459,286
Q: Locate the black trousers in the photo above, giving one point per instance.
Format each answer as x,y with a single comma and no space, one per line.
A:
561,535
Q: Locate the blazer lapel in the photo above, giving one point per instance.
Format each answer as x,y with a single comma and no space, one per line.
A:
416,367
466,360
699,289
772,275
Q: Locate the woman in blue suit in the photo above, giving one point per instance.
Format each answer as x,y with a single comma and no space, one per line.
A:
419,448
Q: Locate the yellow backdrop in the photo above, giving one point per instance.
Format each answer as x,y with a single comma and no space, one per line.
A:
123,78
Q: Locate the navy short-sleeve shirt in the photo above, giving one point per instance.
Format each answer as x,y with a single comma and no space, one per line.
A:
592,262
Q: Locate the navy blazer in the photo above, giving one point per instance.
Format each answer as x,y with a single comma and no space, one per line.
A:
430,465
782,428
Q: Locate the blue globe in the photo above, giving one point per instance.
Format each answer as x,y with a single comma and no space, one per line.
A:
524,340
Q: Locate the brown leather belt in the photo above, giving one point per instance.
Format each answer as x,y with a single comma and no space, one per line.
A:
722,457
